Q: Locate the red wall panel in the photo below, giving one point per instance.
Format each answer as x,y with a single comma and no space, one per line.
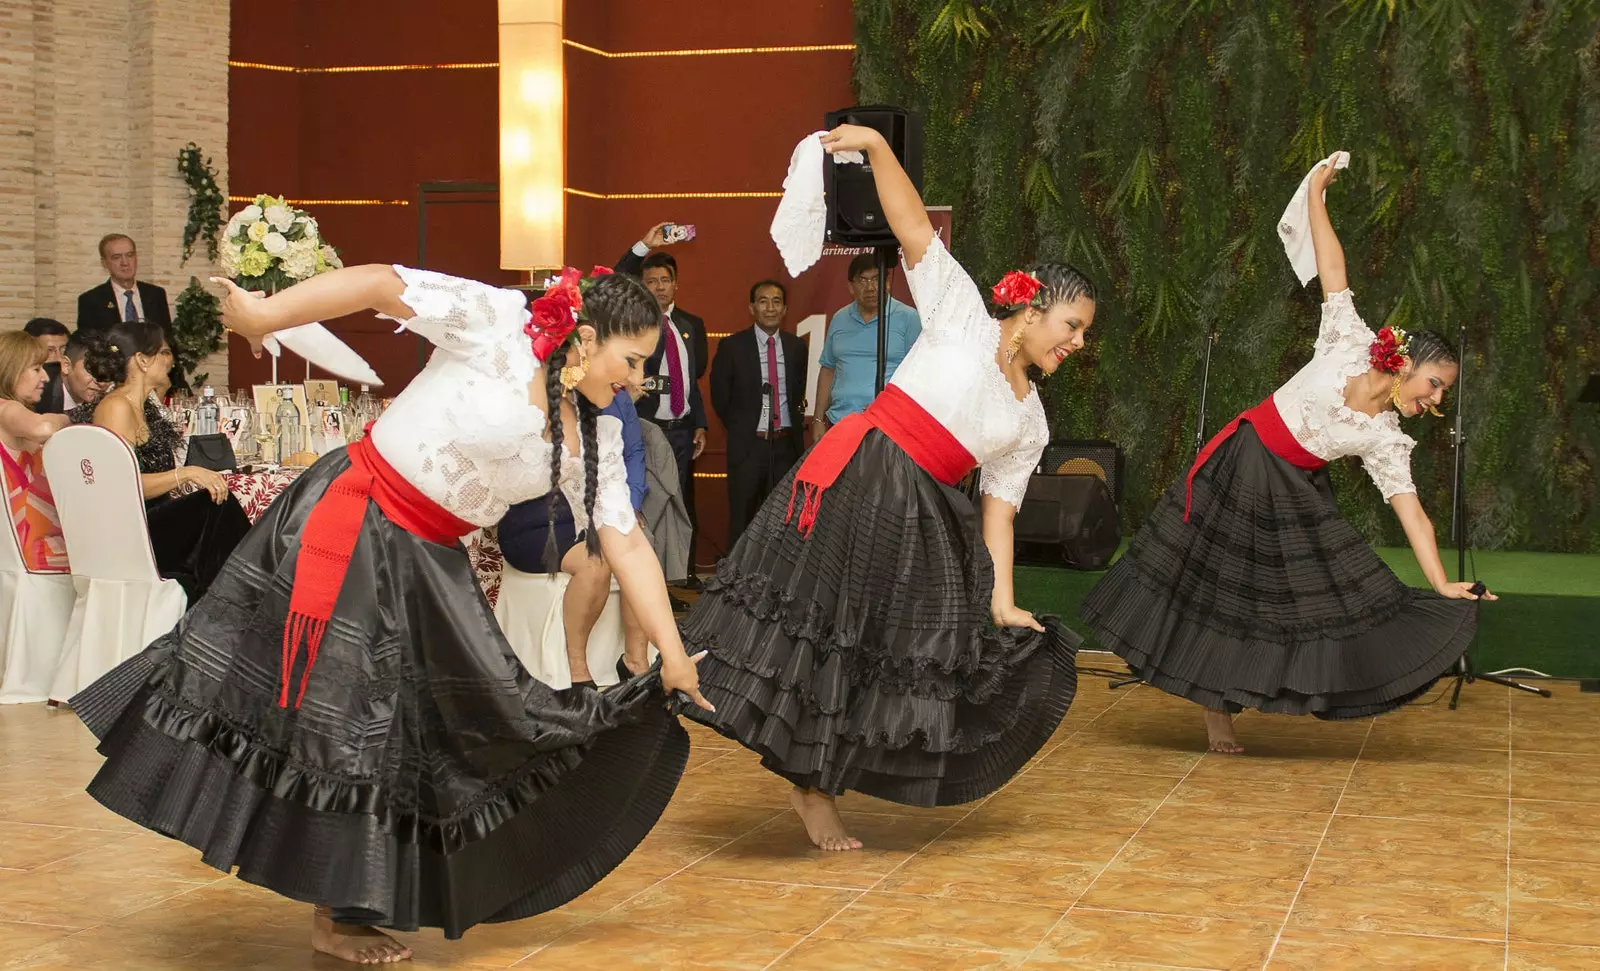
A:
714,123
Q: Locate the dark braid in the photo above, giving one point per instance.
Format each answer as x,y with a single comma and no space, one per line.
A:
553,396
1430,347
588,420
615,305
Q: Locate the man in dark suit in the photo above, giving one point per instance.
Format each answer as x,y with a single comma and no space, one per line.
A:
122,297
52,335
672,400
758,389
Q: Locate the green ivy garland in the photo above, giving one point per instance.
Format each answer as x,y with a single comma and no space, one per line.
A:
1155,142
196,328
206,202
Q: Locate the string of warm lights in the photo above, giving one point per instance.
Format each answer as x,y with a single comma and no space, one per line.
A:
575,45
612,196
331,202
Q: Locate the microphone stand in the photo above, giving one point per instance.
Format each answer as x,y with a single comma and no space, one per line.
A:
885,257
1463,670
1199,440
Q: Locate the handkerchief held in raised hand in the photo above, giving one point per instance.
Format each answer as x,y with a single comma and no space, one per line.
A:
799,225
315,343
1294,226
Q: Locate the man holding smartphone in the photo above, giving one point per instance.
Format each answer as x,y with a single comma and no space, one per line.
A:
672,400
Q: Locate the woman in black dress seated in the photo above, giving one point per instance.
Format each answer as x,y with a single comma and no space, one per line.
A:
192,535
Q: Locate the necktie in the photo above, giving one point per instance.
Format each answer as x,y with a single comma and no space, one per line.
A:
679,394
129,311
772,378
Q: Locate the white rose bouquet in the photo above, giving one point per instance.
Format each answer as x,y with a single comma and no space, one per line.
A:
269,245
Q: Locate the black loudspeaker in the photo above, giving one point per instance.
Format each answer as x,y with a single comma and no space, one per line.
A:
854,215
1068,519
1097,457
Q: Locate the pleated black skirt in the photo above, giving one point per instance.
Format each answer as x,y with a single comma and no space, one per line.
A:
1268,599
426,779
863,657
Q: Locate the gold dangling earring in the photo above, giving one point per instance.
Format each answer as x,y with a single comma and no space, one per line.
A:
1014,346
1394,395
572,374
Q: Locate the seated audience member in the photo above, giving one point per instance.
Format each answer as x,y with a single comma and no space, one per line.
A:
79,389
847,374
192,534
524,541
23,433
52,335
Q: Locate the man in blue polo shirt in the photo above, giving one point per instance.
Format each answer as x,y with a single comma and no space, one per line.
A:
848,375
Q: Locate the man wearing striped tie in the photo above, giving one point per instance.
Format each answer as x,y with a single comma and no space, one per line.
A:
123,296
758,389
672,398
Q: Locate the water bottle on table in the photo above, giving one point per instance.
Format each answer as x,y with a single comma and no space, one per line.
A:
287,418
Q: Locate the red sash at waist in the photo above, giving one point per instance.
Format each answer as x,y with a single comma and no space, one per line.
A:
328,540
907,424
1274,434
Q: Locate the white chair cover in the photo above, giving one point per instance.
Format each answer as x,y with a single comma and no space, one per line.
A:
529,611
35,609
122,602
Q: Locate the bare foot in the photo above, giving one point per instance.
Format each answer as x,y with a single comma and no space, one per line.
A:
353,942
1219,729
822,820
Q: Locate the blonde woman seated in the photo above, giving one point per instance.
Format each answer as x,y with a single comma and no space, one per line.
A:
23,433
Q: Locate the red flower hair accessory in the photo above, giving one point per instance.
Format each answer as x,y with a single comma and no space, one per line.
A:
1015,288
555,315
1390,351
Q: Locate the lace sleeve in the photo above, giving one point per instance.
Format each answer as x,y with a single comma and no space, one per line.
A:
613,502
948,302
460,316
1006,477
1342,328
1387,459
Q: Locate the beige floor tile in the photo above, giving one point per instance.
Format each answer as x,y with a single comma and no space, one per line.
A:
688,900
887,918
1046,883
1406,894
25,846
1090,938
1302,949
1382,835
1552,957
821,954
1555,903
619,944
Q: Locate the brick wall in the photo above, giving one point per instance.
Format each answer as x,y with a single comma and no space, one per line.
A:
96,99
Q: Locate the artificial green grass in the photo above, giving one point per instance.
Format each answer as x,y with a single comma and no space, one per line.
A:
1547,618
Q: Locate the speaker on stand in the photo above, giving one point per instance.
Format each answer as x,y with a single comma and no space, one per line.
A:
1069,517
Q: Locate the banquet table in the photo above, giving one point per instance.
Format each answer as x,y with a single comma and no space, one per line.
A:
257,490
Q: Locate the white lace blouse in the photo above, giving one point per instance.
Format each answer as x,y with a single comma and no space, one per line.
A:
951,372
1312,403
464,433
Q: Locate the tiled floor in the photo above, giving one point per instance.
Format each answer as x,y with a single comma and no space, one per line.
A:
1429,839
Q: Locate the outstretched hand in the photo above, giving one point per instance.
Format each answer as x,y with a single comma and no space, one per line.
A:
1014,616
1324,176
683,675
245,312
1463,591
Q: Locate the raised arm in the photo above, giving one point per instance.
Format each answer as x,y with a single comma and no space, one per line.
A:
907,216
375,286
1330,255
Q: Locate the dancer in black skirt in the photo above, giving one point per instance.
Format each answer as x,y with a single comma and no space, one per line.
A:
340,717
862,633
1247,589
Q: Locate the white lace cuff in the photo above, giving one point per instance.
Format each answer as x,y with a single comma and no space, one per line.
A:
1006,477
463,316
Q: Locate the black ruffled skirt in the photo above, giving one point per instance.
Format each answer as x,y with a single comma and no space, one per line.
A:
426,779
863,657
1268,599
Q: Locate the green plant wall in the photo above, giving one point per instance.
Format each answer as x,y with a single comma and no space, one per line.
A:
1154,143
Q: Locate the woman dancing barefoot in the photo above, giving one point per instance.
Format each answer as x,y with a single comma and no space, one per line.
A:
340,717
862,634
1247,589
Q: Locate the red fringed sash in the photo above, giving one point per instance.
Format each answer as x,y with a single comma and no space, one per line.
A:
328,540
1274,434
907,424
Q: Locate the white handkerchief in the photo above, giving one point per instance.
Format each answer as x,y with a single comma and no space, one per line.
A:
315,343
1294,227
800,224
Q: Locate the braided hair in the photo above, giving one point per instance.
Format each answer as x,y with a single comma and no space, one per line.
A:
615,305
1432,347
